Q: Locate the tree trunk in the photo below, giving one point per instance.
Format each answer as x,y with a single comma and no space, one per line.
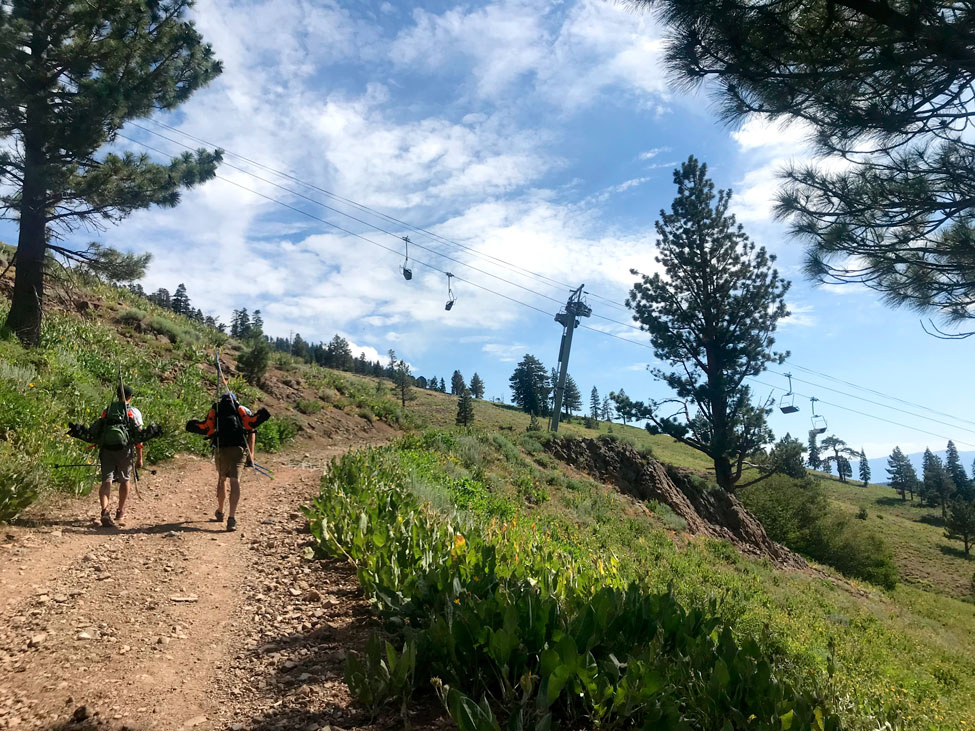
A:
723,474
26,305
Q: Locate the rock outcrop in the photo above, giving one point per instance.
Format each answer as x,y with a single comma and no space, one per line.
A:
709,512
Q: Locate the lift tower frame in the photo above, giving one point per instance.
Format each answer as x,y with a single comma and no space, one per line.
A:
574,308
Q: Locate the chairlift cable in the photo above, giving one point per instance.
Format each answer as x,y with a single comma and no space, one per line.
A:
360,206
864,413
525,304
880,404
370,225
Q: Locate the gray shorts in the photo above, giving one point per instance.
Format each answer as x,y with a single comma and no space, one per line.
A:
116,465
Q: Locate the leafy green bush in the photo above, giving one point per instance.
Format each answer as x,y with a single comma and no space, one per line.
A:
253,361
131,316
274,434
20,483
542,637
798,515
309,406
174,331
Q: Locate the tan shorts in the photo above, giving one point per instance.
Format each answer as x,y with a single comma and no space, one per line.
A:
116,465
229,461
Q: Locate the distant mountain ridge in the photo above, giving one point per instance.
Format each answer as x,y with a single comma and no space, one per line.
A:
878,465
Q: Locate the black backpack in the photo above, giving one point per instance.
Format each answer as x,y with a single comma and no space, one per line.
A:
230,428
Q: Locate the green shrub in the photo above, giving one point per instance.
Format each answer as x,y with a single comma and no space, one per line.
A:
541,636
177,333
253,361
275,433
364,413
20,483
309,407
798,515
132,316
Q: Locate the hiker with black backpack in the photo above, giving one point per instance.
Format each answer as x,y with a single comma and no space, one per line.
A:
119,434
232,431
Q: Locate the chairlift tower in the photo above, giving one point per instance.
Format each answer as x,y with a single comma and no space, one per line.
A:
574,308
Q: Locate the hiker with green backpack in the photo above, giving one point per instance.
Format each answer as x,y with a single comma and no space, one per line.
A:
119,434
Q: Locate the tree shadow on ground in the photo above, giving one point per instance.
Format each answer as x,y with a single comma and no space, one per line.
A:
957,552
932,519
893,501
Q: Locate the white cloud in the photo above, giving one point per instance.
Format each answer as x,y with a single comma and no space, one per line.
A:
761,133
800,316
652,153
506,353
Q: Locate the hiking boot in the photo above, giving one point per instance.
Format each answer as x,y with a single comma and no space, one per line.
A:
231,524
107,521
218,516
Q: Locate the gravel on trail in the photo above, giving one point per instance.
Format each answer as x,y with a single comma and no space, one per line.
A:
170,622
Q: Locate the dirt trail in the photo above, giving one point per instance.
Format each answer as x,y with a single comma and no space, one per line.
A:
170,622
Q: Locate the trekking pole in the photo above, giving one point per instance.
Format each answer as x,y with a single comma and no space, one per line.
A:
121,395
250,455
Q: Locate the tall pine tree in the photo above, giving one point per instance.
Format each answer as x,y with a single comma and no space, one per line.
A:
180,303
465,408
530,386
864,468
594,404
712,316
901,474
813,460
571,399
477,386
72,74
457,384
956,472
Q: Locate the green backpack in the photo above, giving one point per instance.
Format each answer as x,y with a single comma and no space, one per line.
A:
116,424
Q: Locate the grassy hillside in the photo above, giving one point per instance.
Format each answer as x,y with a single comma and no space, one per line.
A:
924,556
902,657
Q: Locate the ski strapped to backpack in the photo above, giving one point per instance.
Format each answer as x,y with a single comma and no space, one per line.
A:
226,417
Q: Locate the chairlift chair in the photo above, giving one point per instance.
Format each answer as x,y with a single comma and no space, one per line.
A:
787,404
818,421
450,294
405,268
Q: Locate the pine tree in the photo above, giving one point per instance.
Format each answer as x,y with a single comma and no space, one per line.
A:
402,379
571,399
594,404
882,86
530,386
900,473
477,386
607,410
180,303
864,468
243,323
115,267
938,486
813,460
625,408
840,456
960,522
161,297
442,387
253,362
338,354
465,408
434,383
957,473
299,348
257,323
711,316
72,74
457,385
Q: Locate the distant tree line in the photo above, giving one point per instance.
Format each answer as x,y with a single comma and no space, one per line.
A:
943,484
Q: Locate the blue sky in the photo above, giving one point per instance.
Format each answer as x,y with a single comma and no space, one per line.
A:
541,132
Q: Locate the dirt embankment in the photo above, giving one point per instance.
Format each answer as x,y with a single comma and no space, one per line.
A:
712,513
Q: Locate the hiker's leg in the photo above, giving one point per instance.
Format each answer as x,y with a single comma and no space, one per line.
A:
221,493
234,496
123,494
104,493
